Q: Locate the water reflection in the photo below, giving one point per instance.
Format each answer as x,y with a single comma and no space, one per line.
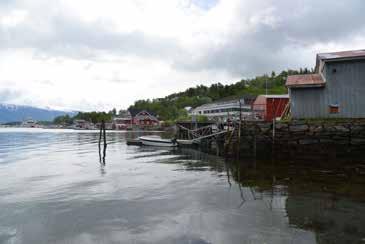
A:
53,190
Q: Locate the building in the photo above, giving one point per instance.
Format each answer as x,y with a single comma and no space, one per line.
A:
122,123
336,90
81,124
269,107
30,123
223,110
144,118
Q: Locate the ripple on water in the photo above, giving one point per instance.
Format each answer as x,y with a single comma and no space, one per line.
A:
54,190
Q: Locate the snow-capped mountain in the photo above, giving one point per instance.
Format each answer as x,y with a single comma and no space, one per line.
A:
14,113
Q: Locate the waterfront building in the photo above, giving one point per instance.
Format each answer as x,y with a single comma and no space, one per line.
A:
336,90
29,123
144,118
122,123
269,107
221,111
81,124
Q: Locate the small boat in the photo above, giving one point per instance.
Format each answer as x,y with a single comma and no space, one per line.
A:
134,142
157,141
187,142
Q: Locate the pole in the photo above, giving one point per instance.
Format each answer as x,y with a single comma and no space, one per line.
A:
239,131
266,86
100,134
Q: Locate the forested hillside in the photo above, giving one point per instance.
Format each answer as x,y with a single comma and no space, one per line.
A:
172,106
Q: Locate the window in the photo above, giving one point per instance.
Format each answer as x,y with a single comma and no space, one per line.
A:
334,109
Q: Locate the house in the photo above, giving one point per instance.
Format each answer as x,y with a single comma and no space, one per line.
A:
226,110
122,123
269,107
29,123
144,118
81,124
336,90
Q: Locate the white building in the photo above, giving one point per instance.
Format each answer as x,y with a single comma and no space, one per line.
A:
221,111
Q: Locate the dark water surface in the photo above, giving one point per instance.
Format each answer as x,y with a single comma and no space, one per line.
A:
54,190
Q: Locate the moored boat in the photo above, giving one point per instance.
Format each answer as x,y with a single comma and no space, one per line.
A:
134,142
187,142
157,141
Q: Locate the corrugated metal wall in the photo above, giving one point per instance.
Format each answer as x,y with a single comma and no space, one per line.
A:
345,86
275,108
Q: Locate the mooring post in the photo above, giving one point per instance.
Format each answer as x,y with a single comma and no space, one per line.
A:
99,144
105,145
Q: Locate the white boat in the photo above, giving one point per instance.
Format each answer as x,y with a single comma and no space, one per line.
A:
157,141
187,142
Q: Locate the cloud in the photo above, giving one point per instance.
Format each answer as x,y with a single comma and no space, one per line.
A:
116,48
67,36
8,95
274,35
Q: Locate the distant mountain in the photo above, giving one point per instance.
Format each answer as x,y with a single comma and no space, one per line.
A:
13,113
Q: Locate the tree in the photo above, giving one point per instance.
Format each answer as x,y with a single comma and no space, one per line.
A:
169,107
63,120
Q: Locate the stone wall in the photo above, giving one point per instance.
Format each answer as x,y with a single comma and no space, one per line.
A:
299,139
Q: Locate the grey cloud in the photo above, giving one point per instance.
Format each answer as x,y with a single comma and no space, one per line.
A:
8,95
68,36
300,24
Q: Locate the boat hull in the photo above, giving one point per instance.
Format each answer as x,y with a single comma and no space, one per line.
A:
185,142
134,142
156,142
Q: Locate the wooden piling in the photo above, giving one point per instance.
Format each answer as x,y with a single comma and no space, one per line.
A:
105,145
102,134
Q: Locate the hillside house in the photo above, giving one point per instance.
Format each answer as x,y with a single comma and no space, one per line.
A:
336,90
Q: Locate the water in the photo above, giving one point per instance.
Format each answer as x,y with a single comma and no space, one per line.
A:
54,190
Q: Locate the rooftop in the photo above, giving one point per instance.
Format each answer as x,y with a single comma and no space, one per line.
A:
303,81
276,96
223,102
342,55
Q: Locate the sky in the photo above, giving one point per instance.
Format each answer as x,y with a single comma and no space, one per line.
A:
95,55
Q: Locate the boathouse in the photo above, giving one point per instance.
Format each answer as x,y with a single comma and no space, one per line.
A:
269,107
336,90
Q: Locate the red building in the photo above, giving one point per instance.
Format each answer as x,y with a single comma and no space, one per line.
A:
268,107
144,118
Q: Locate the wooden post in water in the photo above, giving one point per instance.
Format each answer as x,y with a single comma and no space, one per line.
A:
102,133
105,145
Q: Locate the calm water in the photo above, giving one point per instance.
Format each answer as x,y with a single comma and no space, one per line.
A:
54,190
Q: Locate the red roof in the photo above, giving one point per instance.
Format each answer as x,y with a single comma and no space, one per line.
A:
310,80
342,55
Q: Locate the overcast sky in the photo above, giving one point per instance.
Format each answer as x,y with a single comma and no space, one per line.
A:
100,54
